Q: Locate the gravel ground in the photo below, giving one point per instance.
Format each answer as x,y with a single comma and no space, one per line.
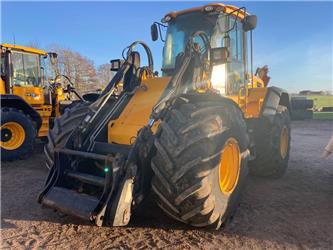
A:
292,212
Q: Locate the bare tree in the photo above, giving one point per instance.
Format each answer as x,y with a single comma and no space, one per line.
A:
34,44
78,68
104,74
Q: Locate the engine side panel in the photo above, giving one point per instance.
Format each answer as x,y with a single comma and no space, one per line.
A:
32,95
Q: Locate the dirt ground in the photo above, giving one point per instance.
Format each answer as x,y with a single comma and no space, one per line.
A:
293,212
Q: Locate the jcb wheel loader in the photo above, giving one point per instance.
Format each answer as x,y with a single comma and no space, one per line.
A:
28,105
186,136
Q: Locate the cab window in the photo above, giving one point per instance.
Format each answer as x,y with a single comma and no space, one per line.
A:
25,69
236,72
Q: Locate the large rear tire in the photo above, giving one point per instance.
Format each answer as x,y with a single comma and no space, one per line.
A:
301,104
195,180
302,114
272,141
18,134
63,127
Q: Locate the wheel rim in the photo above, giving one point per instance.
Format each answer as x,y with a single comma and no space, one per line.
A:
229,167
12,135
284,141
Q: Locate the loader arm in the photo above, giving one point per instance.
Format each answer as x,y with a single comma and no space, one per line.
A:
106,172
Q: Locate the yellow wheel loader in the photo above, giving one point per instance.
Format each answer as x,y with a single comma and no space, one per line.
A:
189,136
28,102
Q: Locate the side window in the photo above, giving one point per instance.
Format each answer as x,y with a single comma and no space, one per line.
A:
174,45
18,69
25,69
31,68
236,72
236,41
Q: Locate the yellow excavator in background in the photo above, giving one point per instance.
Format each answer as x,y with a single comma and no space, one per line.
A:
29,99
190,136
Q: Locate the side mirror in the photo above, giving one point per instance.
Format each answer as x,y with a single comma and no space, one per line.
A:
42,75
53,58
116,64
219,55
154,32
249,23
3,67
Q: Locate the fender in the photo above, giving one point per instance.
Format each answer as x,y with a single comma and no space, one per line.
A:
274,97
14,101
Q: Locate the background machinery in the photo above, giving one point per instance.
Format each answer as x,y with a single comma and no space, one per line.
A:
189,136
29,101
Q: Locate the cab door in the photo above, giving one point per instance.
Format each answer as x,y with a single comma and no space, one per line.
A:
26,77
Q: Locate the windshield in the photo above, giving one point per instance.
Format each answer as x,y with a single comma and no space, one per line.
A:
219,28
214,25
180,29
26,69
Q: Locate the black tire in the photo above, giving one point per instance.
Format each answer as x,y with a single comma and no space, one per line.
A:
301,104
14,115
269,162
63,126
300,114
327,109
64,107
188,146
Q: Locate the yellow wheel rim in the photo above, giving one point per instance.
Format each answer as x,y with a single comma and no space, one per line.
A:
284,142
12,135
229,167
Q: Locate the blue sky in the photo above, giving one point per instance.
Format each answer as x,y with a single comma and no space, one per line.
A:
293,38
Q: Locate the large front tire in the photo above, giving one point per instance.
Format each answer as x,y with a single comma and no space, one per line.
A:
195,181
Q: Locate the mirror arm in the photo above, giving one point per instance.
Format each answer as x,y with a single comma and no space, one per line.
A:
251,40
229,14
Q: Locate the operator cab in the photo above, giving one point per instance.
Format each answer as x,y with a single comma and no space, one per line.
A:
23,66
225,27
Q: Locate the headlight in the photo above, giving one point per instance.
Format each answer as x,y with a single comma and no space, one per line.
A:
218,78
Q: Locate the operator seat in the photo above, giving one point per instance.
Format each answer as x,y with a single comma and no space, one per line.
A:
132,75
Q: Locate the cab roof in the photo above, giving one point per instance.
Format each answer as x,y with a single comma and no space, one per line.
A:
217,7
24,48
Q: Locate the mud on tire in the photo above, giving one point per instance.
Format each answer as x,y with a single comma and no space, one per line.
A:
188,145
269,161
